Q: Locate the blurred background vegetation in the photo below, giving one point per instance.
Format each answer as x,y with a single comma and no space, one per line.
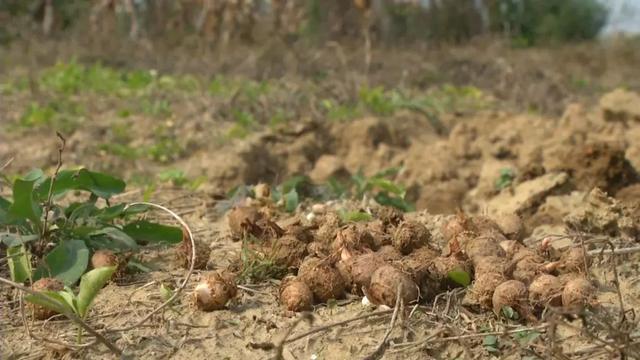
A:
525,22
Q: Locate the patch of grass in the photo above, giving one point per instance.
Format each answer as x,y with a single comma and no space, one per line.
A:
160,108
120,150
379,101
73,78
244,123
256,267
179,179
62,115
165,150
339,112
505,179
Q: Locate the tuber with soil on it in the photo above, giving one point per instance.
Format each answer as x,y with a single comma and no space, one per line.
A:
295,295
45,284
214,291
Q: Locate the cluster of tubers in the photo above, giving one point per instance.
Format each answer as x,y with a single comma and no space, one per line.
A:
390,253
390,258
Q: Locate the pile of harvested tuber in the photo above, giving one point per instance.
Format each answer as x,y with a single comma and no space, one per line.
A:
390,257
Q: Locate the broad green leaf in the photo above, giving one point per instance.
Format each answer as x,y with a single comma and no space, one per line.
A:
69,298
387,172
460,277
291,200
510,313
24,204
11,240
99,184
90,286
388,186
19,263
140,266
66,262
136,209
383,198
526,337
118,239
50,300
110,213
4,210
294,183
144,232
490,340
82,211
355,216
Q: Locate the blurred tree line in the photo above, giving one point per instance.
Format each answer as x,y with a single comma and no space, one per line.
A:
527,22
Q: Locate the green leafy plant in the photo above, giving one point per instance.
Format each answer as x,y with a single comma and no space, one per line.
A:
179,179
384,190
65,301
490,343
289,192
37,228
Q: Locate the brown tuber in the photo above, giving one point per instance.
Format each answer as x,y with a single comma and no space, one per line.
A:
241,218
295,295
578,293
484,286
354,236
287,251
214,291
45,284
545,290
410,235
385,283
512,293
184,253
104,258
573,261
362,267
389,253
324,281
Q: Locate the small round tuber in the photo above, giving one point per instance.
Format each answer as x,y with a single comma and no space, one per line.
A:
484,286
241,218
573,260
287,251
512,293
295,295
45,284
545,290
104,258
324,281
410,235
214,291
578,293
386,281
363,266
389,253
